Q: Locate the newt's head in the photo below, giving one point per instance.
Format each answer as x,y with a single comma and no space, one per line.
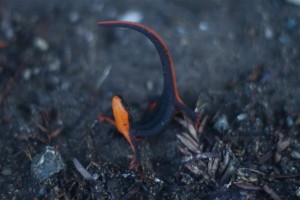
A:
122,117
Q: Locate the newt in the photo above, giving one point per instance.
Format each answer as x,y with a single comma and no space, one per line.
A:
168,102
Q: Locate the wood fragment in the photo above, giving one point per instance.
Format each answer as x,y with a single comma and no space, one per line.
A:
82,170
282,145
271,193
200,156
248,186
55,133
283,176
195,169
184,151
39,126
132,191
189,144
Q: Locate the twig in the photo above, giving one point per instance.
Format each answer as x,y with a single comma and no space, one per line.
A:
82,170
103,76
284,176
271,193
132,191
247,186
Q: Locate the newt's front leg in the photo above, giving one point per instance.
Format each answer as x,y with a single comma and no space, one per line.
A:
103,118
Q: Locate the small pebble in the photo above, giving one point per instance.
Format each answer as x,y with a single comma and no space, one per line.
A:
86,34
295,154
296,2
6,27
150,85
55,65
181,30
47,163
289,121
10,188
6,172
65,85
157,180
27,74
36,71
231,35
298,192
203,26
269,34
42,191
95,176
221,124
132,16
241,117
258,123
291,24
74,16
284,39
187,179
41,44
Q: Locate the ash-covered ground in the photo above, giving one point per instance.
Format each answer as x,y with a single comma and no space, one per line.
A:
237,60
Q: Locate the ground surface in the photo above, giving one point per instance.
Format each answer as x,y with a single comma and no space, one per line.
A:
239,59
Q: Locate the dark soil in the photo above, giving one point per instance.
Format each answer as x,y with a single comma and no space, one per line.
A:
238,59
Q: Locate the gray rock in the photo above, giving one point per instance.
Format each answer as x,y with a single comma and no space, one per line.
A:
295,154
47,163
221,124
6,172
298,192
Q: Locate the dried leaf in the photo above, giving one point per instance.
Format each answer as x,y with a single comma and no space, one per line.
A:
194,168
55,133
229,171
247,186
271,193
226,158
213,165
191,139
200,156
191,129
282,145
187,143
184,151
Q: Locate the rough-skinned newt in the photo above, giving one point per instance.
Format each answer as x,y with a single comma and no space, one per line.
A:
162,114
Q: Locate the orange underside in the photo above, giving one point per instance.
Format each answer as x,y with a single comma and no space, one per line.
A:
121,116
